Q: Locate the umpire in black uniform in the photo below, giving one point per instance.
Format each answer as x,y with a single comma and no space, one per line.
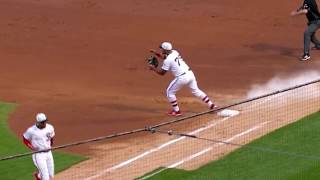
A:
310,9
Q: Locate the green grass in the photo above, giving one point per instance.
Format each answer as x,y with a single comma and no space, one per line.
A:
302,137
22,168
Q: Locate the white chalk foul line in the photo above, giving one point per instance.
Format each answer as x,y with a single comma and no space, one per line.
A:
206,150
122,164
178,163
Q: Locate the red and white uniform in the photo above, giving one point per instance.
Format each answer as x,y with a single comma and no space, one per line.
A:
183,76
41,139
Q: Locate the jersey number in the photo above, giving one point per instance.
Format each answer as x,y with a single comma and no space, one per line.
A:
48,137
177,60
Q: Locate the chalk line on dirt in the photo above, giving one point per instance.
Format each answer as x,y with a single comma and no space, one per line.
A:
189,158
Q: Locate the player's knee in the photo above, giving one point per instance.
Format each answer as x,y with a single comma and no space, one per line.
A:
171,94
197,93
171,97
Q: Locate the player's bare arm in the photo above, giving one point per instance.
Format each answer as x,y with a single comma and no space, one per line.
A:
299,11
27,143
158,71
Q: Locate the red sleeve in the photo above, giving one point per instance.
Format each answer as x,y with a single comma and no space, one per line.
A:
27,143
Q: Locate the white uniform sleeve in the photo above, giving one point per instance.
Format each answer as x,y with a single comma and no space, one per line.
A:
51,131
166,64
28,134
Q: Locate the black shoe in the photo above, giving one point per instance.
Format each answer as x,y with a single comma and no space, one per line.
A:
305,57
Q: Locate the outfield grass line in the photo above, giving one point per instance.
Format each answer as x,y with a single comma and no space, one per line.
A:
189,158
124,163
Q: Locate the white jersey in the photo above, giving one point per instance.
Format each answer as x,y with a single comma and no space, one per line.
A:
40,138
175,64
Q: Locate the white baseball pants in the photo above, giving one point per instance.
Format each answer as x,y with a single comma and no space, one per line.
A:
45,165
186,79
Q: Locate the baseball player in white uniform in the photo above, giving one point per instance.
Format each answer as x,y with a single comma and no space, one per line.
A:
172,61
39,137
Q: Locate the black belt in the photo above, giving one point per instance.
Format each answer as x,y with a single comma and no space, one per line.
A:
185,72
44,151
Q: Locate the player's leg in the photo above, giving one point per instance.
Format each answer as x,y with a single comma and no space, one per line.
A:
35,162
39,160
50,164
174,86
314,38
193,86
308,33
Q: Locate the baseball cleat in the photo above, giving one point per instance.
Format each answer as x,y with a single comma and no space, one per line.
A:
174,113
305,57
213,106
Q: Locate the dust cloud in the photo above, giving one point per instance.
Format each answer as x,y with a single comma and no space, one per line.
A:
279,83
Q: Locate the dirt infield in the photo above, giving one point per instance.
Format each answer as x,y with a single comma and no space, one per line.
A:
82,61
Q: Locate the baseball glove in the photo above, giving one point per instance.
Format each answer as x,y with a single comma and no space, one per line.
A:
153,61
